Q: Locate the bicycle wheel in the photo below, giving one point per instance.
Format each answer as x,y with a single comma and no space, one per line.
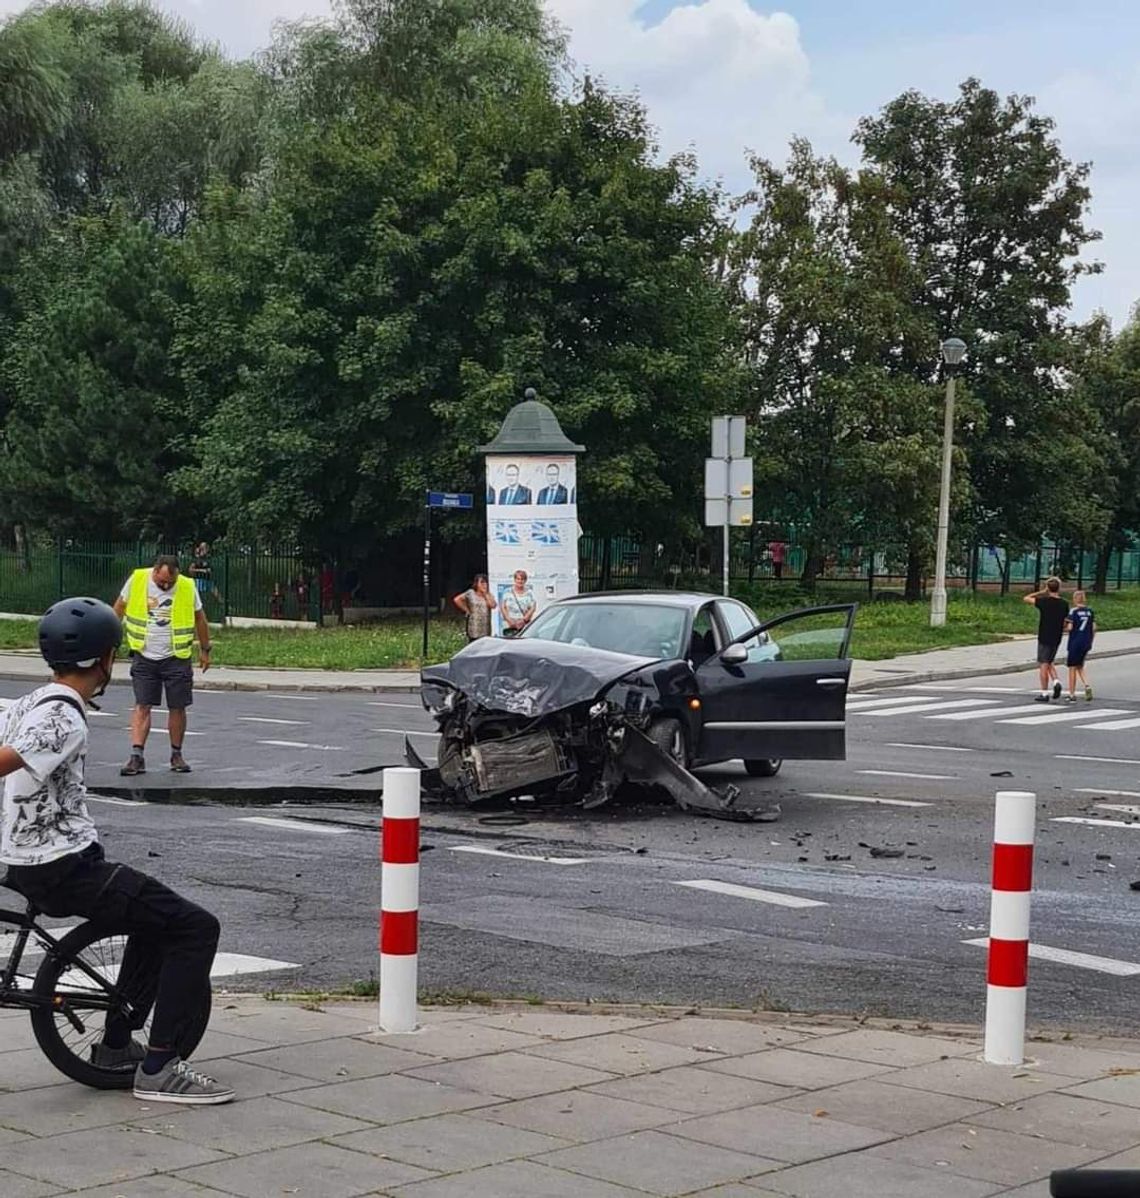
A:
72,1025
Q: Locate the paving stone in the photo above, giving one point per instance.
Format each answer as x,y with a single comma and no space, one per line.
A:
996,1156
872,1103
560,1025
8,1136
977,1080
1124,1090
255,1081
791,1067
897,1050
449,1143
511,1075
619,1053
216,1044
334,1060
390,1099
305,1171
1071,1060
28,1069
251,1126
14,1186
277,1023
660,1164
55,1110
578,1116
101,1156
736,1190
726,1036
152,1187
457,1040
1067,1118
861,1175
16,1034
778,1134
693,1091
1129,1159
1035,1189
516,1179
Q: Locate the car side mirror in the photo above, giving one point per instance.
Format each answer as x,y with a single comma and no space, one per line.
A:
734,655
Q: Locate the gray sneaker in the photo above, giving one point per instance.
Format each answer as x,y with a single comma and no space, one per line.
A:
176,1081
121,1060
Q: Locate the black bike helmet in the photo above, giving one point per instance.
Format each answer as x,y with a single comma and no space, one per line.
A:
78,632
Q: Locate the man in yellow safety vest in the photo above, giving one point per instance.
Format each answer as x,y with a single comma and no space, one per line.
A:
162,610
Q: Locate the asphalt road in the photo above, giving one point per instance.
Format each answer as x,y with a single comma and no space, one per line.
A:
603,904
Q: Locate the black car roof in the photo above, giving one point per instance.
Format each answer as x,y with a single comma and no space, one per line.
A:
688,600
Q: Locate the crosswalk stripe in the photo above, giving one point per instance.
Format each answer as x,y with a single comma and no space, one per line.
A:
751,892
1122,808
988,714
945,705
903,744
1108,794
482,851
1094,823
981,690
901,774
1063,956
858,704
1060,717
1114,725
229,965
293,825
872,799
1107,760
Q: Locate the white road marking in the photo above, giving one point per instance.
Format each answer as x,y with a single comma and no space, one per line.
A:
229,965
485,852
103,713
410,706
293,825
944,705
981,690
1063,956
1113,725
868,799
114,802
1108,794
750,892
1109,760
1060,717
1094,823
988,714
166,731
865,704
897,744
404,732
266,719
1123,808
901,774
300,744
291,698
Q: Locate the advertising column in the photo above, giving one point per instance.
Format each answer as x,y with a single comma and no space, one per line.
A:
532,533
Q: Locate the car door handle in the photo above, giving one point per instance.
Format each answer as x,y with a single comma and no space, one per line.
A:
831,682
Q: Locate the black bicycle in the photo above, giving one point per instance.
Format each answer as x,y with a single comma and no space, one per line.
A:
87,975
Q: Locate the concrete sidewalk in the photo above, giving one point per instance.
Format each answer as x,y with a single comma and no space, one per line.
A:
1005,657
545,1103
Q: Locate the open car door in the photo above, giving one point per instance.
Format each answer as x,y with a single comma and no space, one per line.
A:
780,689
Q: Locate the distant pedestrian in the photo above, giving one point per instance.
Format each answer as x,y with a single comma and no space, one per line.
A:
1052,612
518,605
202,572
162,611
778,552
1081,626
477,603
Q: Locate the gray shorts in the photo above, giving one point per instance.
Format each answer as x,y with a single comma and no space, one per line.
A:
175,675
1047,652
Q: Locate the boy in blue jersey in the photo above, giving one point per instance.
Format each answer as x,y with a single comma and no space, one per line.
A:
1081,627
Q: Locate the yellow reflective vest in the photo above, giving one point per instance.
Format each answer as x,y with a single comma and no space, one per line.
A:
181,616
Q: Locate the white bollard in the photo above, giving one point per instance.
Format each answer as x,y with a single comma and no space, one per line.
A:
399,899
1007,974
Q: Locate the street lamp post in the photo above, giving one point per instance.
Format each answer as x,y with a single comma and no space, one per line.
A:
953,351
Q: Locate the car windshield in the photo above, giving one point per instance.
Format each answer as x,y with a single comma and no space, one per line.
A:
643,629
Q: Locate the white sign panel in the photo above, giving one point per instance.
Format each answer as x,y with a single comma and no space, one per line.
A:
728,436
724,479
532,527
737,513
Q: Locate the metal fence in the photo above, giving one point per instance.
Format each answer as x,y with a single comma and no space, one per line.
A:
259,582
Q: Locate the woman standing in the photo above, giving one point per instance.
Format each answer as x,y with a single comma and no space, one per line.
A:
477,604
518,605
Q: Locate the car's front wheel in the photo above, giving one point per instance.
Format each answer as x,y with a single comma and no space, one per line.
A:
763,767
669,736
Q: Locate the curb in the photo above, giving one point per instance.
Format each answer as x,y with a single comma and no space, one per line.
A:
970,671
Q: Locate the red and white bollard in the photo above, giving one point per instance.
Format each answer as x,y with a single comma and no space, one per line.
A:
399,899
1008,972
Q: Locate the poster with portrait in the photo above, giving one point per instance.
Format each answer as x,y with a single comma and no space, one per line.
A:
532,530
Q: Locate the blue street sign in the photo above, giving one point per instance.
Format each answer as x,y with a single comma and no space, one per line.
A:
450,499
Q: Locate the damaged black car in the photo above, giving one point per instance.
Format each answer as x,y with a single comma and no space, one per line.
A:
604,690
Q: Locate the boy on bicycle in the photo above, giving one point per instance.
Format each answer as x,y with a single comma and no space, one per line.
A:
51,847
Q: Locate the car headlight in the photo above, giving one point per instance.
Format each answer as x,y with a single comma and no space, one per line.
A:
437,698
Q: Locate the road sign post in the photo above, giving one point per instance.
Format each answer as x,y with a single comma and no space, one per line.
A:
728,484
448,501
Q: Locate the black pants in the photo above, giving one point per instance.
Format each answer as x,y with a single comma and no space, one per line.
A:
170,941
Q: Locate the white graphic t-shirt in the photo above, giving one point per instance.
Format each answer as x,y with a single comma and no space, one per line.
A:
159,643
43,812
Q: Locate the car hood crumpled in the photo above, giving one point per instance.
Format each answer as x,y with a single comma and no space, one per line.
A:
532,677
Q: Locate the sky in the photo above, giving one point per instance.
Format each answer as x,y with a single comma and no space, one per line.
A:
724,77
